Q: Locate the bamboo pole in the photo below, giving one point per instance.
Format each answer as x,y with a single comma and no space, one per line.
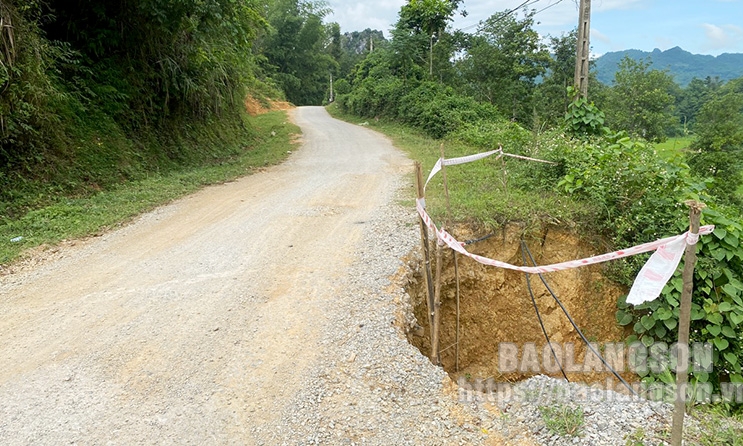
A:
426,250
682,366
456,260
435,356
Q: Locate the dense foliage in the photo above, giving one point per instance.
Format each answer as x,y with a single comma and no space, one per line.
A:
300,53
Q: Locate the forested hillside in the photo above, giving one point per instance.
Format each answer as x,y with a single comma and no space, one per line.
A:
683,66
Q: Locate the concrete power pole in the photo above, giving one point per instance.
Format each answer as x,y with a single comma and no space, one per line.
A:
582,54
332,95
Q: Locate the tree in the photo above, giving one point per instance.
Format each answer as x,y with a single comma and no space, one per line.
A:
693,97
502,64
420,28
551,101
356,45
298,50
717,150
641,101
427,16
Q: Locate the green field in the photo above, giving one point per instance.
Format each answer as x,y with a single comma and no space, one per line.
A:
673,146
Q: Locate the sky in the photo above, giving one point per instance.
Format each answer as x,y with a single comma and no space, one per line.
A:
698,26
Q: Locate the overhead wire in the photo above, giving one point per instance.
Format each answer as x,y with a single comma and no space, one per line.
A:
511,11
504,15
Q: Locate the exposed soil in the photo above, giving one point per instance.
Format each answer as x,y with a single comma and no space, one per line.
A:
495,305
256,106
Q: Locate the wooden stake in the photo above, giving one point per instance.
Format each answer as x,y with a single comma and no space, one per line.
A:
426,250
682,367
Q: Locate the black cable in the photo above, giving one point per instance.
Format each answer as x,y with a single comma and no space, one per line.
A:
505,14
481,239
539,316
572,322
549,6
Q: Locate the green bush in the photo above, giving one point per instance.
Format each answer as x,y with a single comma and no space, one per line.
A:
641,197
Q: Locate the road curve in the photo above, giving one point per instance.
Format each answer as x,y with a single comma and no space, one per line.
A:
194,323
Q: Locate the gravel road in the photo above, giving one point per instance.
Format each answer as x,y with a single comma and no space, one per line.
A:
263,311
205,321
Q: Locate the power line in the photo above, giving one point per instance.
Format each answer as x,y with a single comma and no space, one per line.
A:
511,11
549,6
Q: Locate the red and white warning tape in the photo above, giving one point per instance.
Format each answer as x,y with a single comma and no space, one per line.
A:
476,157
458,246
649,282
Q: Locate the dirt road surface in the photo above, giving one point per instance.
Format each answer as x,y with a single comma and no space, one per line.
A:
195,323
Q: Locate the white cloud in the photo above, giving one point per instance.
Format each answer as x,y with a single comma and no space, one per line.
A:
721,37
601,37
357,16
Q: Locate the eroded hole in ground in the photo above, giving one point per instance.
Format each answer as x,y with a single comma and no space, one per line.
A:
495,308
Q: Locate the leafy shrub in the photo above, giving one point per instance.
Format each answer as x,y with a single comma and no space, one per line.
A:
438,110
717,303
583,118
641,195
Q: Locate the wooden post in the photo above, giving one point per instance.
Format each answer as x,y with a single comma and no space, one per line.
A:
426,250
456,333
435,354
682,366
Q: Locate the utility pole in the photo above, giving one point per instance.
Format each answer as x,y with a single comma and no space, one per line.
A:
430,53
332,96
582,54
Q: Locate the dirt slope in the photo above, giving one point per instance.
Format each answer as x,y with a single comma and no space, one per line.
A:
194,324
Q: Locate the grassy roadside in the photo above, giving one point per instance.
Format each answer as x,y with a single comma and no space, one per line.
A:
490,192
74,217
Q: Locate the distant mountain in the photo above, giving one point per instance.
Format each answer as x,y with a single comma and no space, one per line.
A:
682,65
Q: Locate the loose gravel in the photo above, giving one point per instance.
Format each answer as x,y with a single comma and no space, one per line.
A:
375,388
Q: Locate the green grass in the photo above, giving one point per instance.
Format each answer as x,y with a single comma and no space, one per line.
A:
673,146
716,426
563,420
68,217
486,192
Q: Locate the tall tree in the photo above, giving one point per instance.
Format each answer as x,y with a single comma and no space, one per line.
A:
420,28
641,100
356,45
297,50
503,62
717,150
551,100
693,97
